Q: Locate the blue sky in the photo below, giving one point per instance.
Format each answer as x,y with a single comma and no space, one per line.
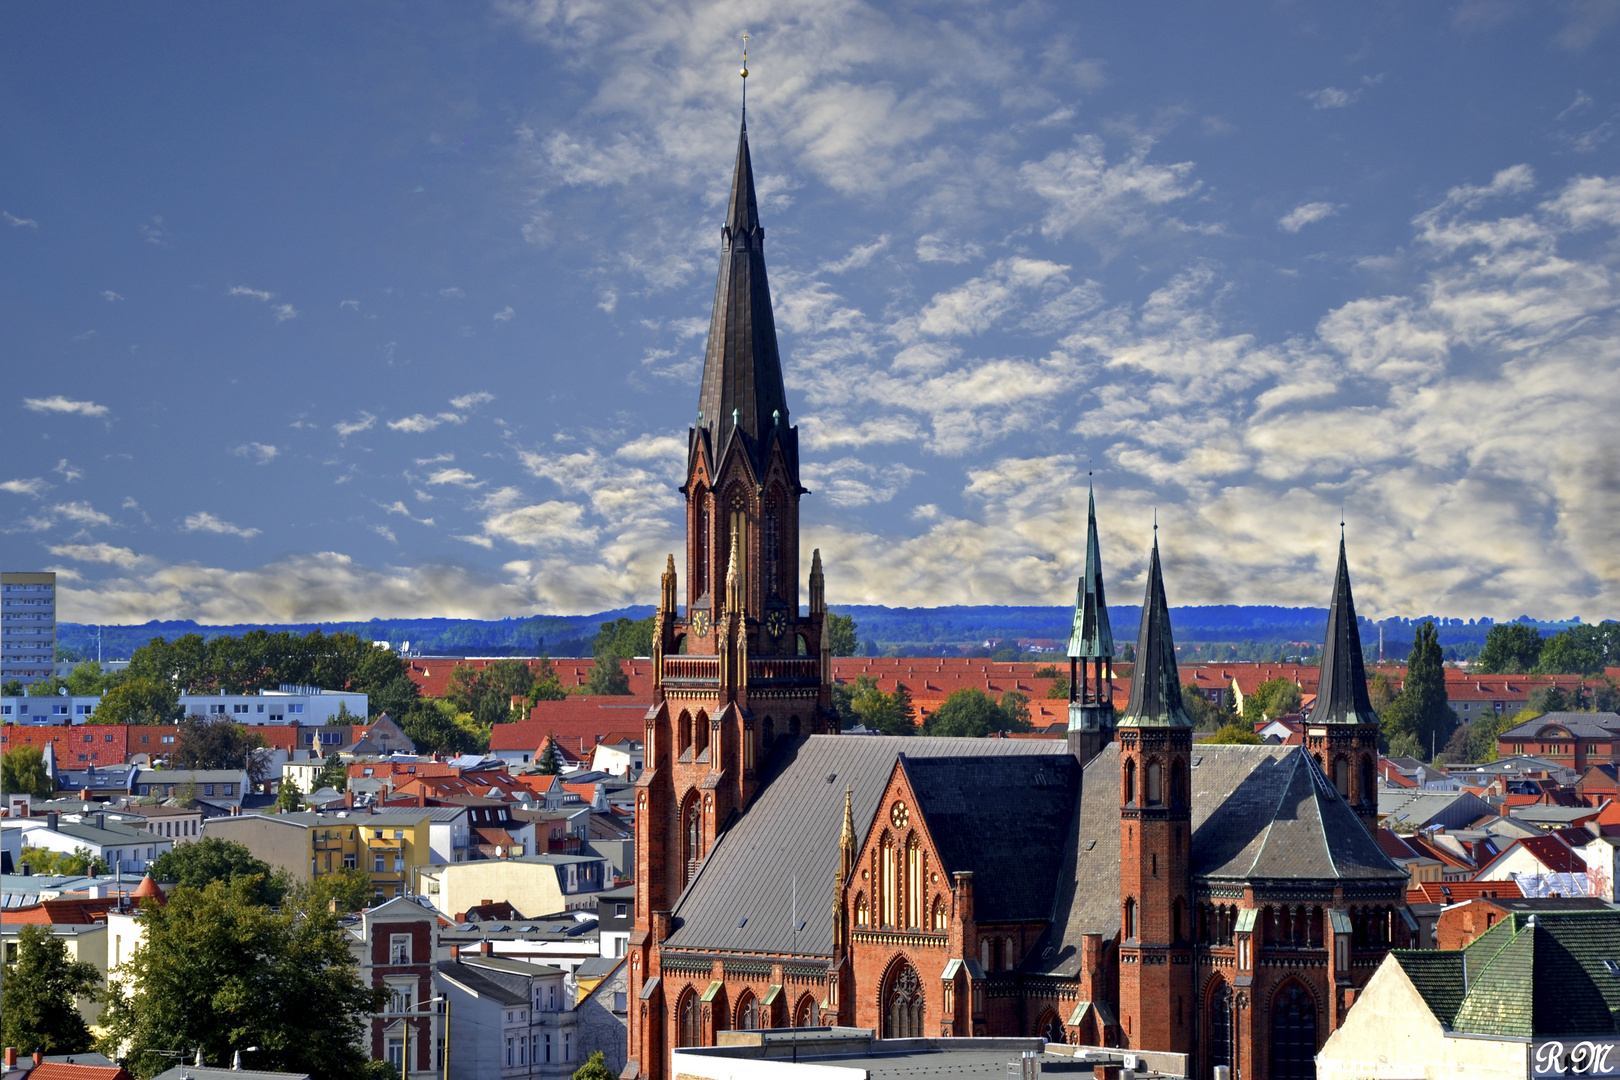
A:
315,311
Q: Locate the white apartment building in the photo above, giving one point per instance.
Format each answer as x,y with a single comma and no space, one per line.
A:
307,705
27,626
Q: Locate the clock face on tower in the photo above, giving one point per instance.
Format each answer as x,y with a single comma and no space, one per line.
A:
776,624
700,623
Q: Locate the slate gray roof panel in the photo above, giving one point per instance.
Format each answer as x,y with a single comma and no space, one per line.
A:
790,833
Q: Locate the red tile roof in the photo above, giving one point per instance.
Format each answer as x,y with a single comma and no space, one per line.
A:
1456,892
65,1070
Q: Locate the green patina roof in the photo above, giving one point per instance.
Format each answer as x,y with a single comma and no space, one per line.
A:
1091,637
1524,980
1156,682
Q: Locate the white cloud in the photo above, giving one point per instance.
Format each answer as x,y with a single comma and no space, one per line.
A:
81,513
110,296
1332,97
505,314
399,507
60,404
36,486
452,293
386,533
459,477
853,482
345,428
283,312
261,451
435,459
1305,214
152,231
468,401
18,222
861,255
547,524
68,471
97,553
420,423
973,307
1086,195
256,294
933,248
202,521
352,305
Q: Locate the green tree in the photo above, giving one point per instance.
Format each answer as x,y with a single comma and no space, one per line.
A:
972,713
289,799
607,677
39,999
435,726
625,638
208,743
1405,744
1581,650
1459,748
1233,734
547,686
218,970
1546,699
22,772
1015,706
1421,710
351,889
1380,692
335,774
595,1068
1205,715
139,700
13,688
51,687
77,864
88,678
487,694
841,636
210,859
890,713
1510,647
550,760
1271,699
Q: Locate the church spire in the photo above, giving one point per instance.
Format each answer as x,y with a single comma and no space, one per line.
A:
1156,682
1341,692
742,393
1091,638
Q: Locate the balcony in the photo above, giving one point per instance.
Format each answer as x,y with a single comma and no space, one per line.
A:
692,670
784,670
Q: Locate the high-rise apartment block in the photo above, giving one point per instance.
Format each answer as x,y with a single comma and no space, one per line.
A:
27,626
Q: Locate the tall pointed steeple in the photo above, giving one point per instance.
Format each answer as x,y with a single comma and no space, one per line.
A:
742,392
1156,681
1091,637
1341,692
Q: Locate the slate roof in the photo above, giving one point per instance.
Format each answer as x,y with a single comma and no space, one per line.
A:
495,985
1258,812
1529,976
1155,683
1601,725
1091,637
791,832
999,817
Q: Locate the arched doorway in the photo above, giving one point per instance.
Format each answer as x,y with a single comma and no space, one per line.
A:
804,1013
690,1024
903,1004
1051,1027
1293,1034
1219,1024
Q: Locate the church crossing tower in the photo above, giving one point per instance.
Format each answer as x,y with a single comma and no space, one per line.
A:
1155,814
1091,654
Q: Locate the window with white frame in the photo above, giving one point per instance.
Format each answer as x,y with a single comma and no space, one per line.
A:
399,948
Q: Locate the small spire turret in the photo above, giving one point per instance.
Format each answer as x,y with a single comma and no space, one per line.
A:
1156,681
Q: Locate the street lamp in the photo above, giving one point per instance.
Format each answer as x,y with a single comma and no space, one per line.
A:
236,1057
405,1047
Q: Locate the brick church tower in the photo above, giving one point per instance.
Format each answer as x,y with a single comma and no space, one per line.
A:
1156,1003
1091,654
1342,730
741,668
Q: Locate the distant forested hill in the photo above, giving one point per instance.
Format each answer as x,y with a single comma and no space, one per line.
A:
1229,632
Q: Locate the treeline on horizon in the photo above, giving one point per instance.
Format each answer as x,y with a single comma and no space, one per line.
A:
1225,632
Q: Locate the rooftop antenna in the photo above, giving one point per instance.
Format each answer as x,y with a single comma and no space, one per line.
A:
744,74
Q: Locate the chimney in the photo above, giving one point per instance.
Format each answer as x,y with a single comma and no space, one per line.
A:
421,798
84,793
487,948
51,819
348,796
39,1057
11,1057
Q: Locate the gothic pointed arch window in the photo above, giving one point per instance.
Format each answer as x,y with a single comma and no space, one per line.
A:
1051,1027
903,1004
1130,918
691,836
914,882
1219,1024
773,546
1341,775
1155,783
863,910
1293,1033
700,733
699,539
1128,783
804,1013
1178,786
684,727
1369,780
938,919
890,892
689,1020
747,1012
739,532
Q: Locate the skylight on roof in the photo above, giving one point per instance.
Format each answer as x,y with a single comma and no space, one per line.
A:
1613,967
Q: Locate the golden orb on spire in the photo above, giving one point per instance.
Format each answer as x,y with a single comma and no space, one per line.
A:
744,72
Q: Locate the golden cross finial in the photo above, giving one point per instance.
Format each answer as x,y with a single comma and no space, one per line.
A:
744,73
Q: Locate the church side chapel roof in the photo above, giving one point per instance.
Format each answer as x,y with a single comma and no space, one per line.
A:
790,831
1258,813
1529,976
